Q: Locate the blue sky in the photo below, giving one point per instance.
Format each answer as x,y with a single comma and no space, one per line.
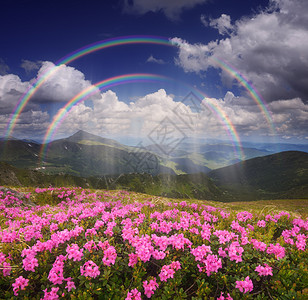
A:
264,41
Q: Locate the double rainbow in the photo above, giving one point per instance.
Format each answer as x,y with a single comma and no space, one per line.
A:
126,79
119,41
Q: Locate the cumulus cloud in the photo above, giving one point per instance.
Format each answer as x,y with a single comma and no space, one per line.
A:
222,24
30,66
4,68
171,8
204,21
152,59
63,83
110,116
11,89
270,49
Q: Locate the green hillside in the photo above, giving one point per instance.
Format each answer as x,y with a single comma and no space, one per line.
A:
282,174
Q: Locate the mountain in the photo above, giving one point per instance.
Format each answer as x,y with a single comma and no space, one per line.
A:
12,176
20,153
197,186
282,175
83,154
279,176
83,137
204,156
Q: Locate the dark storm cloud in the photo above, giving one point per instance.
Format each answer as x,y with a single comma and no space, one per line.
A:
270,49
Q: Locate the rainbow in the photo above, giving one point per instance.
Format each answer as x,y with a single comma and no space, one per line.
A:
128,40
251,90
119,41
130,78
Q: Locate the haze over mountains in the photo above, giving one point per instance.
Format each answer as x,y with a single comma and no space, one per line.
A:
85,159
85,154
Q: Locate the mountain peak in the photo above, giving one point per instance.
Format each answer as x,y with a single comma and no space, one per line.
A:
82,135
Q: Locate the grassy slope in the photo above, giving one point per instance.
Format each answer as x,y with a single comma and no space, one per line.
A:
281,175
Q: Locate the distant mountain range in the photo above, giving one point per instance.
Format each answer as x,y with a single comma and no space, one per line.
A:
283,174
89,161
83,154
106,163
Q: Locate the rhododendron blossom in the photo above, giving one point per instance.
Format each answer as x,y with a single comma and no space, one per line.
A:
19,284
133,295
245,286
168,271
150,287
89,269
264,270
136,242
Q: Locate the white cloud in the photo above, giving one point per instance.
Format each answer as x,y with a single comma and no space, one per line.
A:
11,89
155,60
31,124
222,24
4,68
30,66
270,49
204,20
63,83
171,8
111,116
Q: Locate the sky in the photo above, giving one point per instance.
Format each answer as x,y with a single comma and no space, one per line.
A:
223,69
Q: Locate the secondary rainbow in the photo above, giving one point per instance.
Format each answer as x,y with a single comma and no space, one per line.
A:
126,40
251,90
131,78
119,41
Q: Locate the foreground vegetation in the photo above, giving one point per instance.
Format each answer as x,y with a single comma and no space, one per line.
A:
74,243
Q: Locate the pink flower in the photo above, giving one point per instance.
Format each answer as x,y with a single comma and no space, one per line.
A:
110,255
222,252
29,263
52,295
212,264
90,269
264,271
70,284
235,252
133,295
150,287
261,223
200,252
56,272
245,285
19,284
277,250
258,245
74,252
6,269
224,298
301,242
168,271
53,227
90,245
133,259
244,216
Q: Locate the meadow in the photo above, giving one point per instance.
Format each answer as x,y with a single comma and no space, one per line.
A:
74,243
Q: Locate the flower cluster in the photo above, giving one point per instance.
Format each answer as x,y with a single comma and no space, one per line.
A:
116,244
168,271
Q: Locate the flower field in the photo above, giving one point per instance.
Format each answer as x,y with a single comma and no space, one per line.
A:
79,244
